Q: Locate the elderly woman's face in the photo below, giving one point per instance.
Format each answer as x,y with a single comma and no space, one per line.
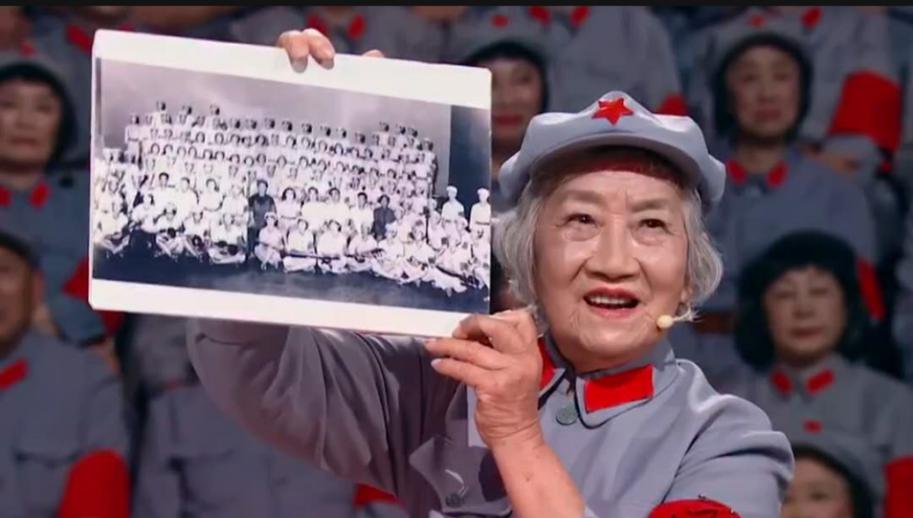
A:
30,117
517,89
611,256
764,88
806,314
817,492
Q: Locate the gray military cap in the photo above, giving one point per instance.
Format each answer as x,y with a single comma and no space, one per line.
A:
472,35
616,119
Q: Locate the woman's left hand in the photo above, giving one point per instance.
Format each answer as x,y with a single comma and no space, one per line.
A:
498,356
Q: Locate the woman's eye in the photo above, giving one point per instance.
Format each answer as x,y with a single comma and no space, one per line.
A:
583,219
653,223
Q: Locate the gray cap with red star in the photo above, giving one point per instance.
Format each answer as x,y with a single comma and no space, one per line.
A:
616,119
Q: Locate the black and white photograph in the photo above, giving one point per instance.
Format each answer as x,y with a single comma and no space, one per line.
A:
226,185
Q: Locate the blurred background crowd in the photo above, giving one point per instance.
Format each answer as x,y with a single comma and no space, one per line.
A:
810,108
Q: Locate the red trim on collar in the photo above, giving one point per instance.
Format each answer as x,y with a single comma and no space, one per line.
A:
500,20
6,199
316,22
39,196
13,374
541,14
548,366
579,15
698,507
898,500
357,27
781,382
811,17
618,389
774,178
777,175
79,37
820,381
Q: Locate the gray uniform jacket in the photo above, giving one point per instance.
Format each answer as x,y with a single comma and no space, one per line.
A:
58,404
196,463
371,409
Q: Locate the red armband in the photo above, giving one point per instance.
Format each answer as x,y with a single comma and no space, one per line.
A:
367,495
98,486
898,500
698,508
673,105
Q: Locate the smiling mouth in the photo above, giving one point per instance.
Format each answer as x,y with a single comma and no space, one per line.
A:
612,305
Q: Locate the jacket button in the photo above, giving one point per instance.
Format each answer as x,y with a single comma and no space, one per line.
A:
567,415
454,500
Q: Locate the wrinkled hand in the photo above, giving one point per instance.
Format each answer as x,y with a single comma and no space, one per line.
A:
499,357
310,43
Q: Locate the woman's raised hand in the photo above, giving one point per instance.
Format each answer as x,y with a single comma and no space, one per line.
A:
301,46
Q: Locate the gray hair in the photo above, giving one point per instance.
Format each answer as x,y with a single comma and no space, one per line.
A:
514,233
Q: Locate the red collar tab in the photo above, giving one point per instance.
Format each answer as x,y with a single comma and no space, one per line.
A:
355,30
316,22
774,178
39,196
813,385
618,389
757,20
357,27
6,199
579,15
549,370
13,374
500,20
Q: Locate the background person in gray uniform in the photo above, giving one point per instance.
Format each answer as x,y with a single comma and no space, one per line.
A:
515,48
597,418
802,327
63,435
194,462
762,92
903,309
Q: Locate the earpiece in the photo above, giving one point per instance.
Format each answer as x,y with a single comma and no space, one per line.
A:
665,322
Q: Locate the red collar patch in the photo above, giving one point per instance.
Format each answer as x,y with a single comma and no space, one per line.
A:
775,177
541,14
79,37
13,374
355,30
814,385
613,110
39,196
617,389
6,199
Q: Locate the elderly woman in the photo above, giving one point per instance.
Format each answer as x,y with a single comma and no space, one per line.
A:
802,328
594,418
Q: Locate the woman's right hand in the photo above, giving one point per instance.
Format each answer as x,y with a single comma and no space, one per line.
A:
310,43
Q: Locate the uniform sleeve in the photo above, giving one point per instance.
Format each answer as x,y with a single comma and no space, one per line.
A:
737,463
870,99
99,482
352,404
898,501
661,82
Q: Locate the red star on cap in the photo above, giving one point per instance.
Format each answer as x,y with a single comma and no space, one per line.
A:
612,110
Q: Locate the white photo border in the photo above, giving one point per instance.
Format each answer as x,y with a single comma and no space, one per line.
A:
437,83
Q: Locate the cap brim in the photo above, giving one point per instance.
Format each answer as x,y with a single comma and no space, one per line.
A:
674,155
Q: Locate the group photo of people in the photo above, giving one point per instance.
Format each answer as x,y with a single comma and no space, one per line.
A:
230,193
